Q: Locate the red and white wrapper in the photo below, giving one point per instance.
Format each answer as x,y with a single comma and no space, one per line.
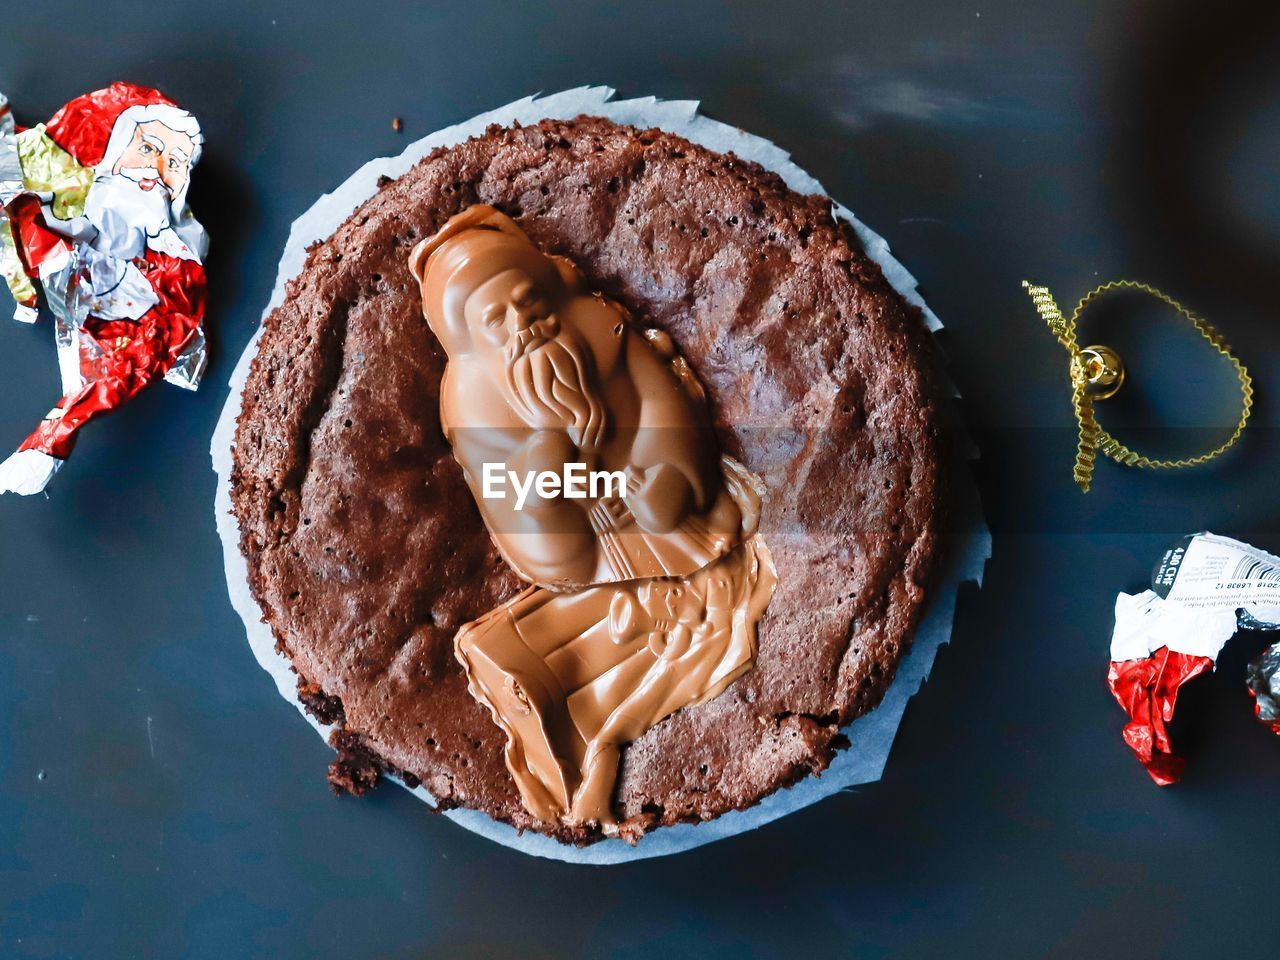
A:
1204,589
94,220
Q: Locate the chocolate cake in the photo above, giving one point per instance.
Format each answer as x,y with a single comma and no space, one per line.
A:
366,549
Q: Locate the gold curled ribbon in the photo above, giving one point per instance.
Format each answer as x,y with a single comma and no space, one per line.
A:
1092,378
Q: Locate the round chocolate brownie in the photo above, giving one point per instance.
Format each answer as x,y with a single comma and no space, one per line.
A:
366,550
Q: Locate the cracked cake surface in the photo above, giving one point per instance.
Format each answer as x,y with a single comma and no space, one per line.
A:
367,553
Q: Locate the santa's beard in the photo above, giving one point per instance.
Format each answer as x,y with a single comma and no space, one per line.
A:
125,214
551,381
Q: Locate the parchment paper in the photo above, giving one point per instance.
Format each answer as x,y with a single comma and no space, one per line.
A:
967,549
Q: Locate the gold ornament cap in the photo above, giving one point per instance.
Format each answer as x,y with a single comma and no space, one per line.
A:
1097,372
1103,371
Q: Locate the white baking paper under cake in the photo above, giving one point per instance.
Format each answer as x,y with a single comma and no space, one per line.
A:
965,551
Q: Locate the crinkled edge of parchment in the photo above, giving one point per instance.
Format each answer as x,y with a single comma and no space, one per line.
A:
966,551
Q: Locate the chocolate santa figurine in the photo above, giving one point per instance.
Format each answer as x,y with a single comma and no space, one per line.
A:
544,374
647,591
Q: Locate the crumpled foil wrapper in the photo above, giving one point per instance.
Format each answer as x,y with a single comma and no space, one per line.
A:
94,220
1203,590
1264,684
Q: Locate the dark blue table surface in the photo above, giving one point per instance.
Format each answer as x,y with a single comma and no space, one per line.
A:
157,799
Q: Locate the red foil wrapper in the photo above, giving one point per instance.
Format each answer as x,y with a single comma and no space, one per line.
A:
94,221
1204,589
1148,691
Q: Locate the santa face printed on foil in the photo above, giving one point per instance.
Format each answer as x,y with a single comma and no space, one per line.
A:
99,224
141,182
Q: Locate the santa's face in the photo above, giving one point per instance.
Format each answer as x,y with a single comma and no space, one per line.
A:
509,312
157,156
543,369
